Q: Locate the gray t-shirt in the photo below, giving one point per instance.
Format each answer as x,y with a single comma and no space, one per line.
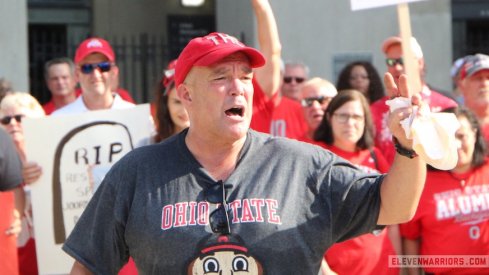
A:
288,202
10,164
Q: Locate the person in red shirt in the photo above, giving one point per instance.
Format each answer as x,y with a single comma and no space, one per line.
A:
347,130
452,215
59,74
272,112
392,49
474,86
294,75
61,82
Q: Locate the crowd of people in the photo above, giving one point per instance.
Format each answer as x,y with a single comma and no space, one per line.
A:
259,166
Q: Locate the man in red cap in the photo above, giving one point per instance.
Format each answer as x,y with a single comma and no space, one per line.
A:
98,75
288,201
392,49
96,72
474,86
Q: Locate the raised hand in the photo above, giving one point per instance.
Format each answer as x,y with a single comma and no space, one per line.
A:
400,114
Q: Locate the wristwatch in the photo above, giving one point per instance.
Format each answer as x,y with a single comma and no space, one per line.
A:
410,153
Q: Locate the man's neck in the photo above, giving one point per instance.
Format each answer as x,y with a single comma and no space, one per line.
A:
218,157
98,102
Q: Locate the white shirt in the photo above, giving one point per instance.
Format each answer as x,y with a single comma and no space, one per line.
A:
78,106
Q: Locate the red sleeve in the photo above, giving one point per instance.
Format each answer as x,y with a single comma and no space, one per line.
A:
262,110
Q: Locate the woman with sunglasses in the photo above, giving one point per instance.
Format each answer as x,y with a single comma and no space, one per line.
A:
347,130
361,76
452,216
13,109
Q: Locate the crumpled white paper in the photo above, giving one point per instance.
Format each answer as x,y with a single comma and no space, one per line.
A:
433,134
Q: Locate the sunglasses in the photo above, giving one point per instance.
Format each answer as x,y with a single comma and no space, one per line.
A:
391,62
219,218
88,68
288,79
6,119
308,101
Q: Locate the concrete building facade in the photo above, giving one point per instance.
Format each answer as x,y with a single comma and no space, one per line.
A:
323,34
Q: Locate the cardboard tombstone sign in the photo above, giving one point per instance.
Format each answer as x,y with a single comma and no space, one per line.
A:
75,159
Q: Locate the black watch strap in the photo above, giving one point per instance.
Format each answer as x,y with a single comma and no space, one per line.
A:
403,151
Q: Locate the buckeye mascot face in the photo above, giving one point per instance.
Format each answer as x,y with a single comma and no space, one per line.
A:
224,255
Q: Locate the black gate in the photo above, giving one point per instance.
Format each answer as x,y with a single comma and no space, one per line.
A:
141,59
45,42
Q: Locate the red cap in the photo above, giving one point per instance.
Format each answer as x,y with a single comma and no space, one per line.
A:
94,45
207,50
169,73
473,64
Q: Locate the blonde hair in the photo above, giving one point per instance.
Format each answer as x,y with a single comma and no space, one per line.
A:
22,100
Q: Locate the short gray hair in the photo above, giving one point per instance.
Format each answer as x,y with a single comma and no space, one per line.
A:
56,61
293,63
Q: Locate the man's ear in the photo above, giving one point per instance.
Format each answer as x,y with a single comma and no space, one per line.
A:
183,93
115,70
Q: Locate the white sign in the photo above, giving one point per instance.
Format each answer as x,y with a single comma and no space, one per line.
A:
367,4
75,152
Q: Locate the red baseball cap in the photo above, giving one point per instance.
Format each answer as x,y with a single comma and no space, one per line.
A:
473,64
94,45
207,50
169,73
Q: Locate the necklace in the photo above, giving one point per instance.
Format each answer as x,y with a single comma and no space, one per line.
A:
462,179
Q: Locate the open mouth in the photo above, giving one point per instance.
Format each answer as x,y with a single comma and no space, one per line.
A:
235,111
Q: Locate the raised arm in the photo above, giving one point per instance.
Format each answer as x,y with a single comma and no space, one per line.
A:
268,76
403,185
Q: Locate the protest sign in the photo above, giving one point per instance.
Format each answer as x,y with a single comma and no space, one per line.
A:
74,151
367,4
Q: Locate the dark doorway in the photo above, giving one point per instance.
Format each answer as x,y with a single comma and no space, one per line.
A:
45,42
470,27
477,37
